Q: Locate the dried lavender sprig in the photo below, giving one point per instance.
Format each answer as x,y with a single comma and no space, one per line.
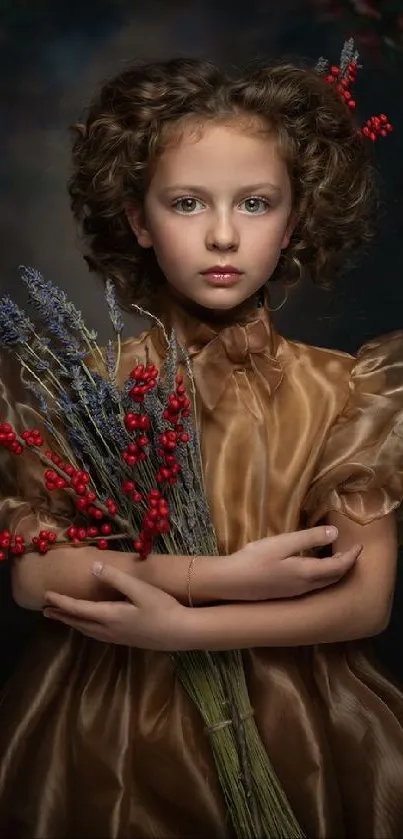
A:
157,321
52,303
113,307
322,66
59,315
349,55
42,402
171,362
17,330
15,327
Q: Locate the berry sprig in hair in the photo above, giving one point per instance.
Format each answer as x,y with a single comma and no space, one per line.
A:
342,77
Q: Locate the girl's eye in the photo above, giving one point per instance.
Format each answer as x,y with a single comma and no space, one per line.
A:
187,205
255,206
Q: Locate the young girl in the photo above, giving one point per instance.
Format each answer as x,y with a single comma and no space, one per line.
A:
193,191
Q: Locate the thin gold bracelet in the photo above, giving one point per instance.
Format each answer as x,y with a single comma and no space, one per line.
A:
189,580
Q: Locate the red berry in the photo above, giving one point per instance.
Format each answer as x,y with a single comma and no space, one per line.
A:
144,422
138,545
128,487
102,544
164,526
82,504
106,528
92,531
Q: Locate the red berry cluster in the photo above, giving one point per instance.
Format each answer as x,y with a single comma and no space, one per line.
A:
44,539
155,521
78,480
178,403
145,378
377,127
33,437
130,488
8,438
137,422
8,546
135,450
344,81
178,408
80,534
134,453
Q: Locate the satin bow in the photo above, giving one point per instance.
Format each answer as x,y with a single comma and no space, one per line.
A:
217,355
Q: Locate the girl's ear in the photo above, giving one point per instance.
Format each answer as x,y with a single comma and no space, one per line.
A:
292,221
135,217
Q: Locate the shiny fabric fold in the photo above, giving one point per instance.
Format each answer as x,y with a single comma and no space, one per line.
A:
101,741
215,357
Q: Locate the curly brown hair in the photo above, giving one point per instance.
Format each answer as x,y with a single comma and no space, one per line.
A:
139,112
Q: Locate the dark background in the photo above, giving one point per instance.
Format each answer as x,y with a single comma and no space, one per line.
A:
54,53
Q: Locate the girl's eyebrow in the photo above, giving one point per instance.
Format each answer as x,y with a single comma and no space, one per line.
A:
248,188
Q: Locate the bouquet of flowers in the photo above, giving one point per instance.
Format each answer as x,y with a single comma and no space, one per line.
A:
129,456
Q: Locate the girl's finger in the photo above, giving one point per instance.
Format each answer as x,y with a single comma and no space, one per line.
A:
318,570
290,544
97,611
89,628
137,591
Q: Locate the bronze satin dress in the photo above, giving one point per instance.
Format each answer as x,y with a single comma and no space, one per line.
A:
101,741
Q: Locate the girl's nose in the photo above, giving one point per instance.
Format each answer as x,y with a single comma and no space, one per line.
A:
222,233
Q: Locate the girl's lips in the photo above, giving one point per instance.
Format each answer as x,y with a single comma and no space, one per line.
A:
222,278
222,269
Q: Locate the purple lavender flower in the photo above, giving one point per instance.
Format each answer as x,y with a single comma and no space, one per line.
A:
15,327
54,308
114,312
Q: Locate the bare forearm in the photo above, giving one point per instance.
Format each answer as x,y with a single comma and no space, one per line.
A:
356,607
336,614
68,571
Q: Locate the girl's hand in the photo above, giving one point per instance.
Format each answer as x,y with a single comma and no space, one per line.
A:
149,618
271,568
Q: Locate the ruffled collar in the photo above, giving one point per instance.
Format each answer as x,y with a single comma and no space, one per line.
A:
218,347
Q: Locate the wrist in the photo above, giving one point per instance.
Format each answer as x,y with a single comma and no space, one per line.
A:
187,633
209,576
208,580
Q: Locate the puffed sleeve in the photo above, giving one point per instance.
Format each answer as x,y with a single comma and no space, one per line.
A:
360,470
25,504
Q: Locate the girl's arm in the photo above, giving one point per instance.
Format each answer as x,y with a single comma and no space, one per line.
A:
68,571
267,569
357,607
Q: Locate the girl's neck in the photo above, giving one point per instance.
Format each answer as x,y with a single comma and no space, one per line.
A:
169,298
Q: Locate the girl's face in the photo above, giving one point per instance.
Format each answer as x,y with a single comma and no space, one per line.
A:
218,212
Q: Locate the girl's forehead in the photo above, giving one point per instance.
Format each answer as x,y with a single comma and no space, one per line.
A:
219,150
